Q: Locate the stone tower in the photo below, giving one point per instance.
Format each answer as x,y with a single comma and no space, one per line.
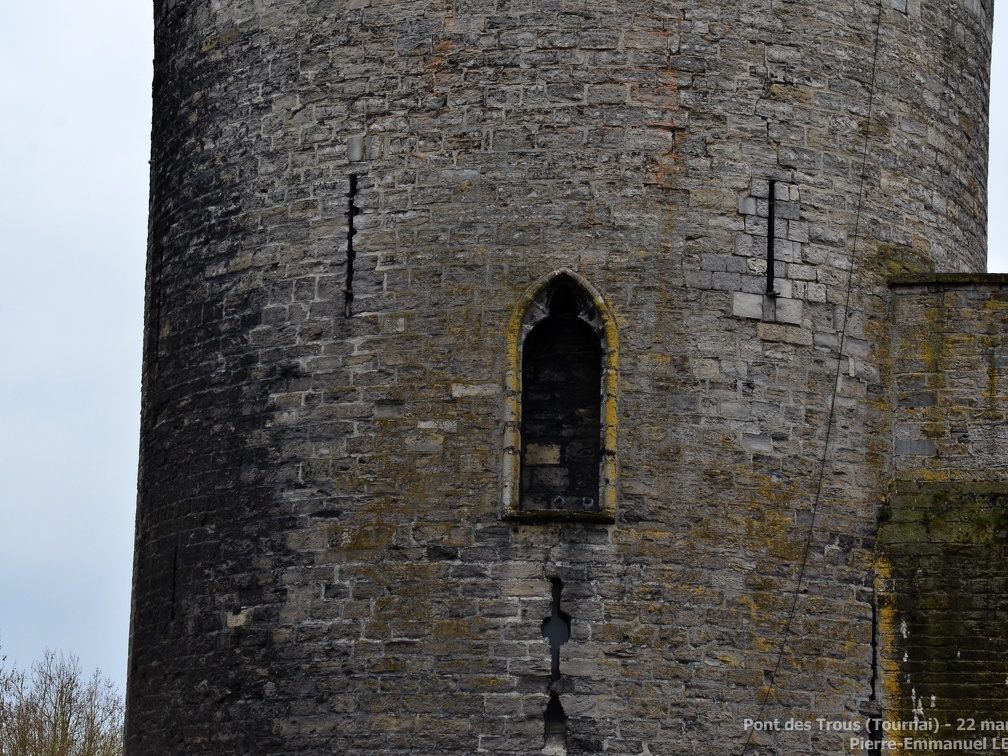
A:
568,377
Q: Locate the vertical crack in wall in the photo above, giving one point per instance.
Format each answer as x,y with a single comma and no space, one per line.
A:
352,212
556,630
771,222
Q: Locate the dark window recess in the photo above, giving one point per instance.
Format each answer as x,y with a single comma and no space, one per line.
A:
556,728
561,408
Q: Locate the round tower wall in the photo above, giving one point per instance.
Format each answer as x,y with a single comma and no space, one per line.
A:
327,560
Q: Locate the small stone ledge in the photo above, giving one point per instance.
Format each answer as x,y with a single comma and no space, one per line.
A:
947,279
543,516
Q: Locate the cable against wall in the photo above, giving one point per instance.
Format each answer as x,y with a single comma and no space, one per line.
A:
836,381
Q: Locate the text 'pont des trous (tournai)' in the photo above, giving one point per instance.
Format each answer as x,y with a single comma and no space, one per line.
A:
877,734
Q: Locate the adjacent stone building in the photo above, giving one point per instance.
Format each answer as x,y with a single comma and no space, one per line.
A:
570,378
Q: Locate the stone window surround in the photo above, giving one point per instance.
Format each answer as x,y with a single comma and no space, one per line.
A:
795,279
530,310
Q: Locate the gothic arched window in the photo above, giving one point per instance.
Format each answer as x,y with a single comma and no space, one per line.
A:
560,425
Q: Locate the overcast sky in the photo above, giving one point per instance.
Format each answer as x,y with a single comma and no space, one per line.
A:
74,127
74,133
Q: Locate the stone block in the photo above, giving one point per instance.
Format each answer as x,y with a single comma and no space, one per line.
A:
788,310
784,334
747,305
726,281
816,292
801,272
461,390
542,454
909,447
787,210
757,443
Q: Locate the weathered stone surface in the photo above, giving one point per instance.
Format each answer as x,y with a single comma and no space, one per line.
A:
321,560
950,354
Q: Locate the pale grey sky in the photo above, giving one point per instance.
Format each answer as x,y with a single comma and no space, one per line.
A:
74,132
74,127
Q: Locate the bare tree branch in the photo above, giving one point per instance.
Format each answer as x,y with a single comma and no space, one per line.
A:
55,712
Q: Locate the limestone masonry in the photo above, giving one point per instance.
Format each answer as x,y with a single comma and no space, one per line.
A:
565,377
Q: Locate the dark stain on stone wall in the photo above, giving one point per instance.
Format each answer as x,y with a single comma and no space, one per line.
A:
944,598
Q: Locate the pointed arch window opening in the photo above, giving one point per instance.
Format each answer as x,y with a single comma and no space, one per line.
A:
560,459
